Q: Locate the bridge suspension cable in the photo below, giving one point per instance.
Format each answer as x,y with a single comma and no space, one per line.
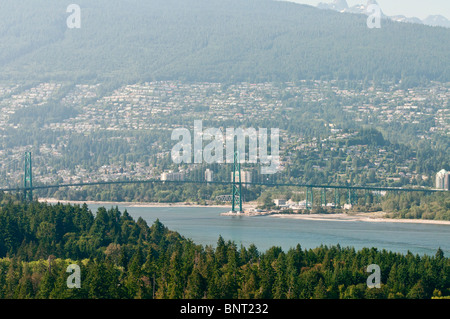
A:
236,196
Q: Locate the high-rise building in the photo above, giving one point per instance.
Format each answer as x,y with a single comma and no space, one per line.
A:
245,178
209,174
443,180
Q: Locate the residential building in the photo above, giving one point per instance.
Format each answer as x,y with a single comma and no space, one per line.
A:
279,202
245,178
171,176
209,175
443,180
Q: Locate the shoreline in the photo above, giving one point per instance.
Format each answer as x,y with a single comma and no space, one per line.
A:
361,217
129,204
378,217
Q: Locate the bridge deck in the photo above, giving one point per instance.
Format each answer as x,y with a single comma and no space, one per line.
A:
368,188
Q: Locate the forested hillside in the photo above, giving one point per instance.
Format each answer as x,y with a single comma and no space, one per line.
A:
211,40
123,258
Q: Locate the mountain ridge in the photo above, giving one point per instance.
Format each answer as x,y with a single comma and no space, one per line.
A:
342,6
215,41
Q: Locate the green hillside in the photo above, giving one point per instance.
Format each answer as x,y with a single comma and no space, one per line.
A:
120,258
211,40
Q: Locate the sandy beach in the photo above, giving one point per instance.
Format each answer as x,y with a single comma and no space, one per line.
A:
129,204
378,217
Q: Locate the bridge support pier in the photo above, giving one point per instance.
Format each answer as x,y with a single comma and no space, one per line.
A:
337,199
352,197
324,197
309,198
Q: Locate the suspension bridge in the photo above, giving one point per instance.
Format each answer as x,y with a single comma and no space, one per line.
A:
235,197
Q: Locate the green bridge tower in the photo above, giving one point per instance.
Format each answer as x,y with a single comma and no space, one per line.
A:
237,185
28,178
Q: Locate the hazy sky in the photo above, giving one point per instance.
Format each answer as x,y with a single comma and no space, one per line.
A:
409,8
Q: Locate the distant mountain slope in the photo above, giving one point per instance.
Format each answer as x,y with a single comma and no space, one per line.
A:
211,40
437,21
338,5
342,6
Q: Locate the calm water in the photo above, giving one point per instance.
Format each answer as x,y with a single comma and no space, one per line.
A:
204,225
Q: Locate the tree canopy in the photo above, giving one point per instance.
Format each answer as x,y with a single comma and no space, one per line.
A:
123,258
198,40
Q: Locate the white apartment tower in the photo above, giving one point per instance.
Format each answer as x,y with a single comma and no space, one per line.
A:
245,178
443,180
209,175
